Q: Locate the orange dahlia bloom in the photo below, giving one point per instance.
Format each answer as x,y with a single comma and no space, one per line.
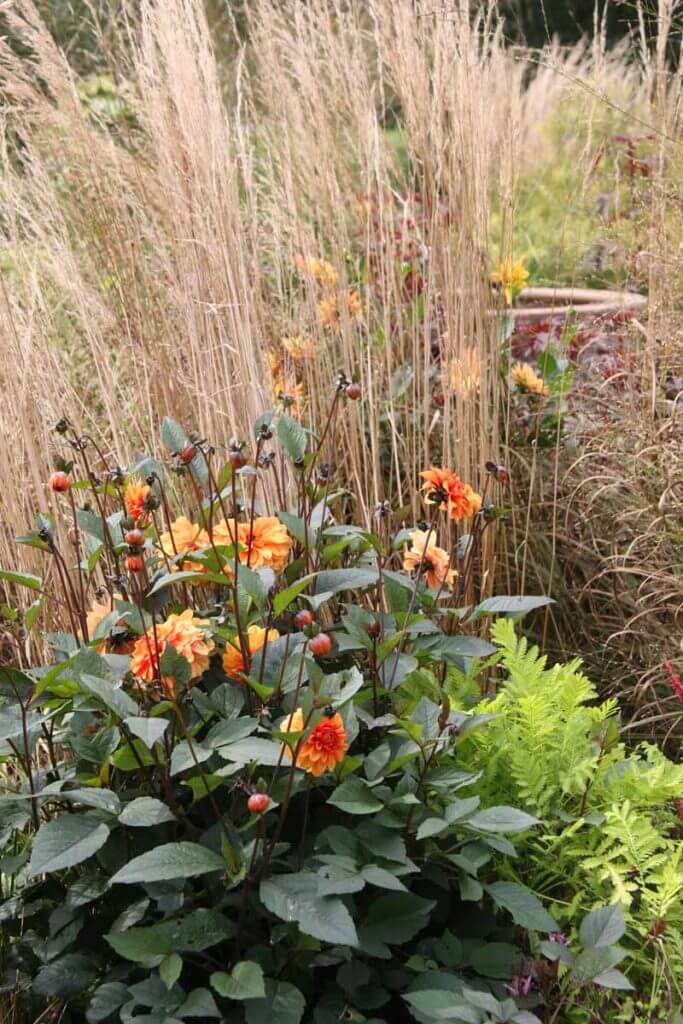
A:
233,662
134,497
445,488
329,313
267,543
433,560
299,348
323,748
183,537
98,611
321,270
183,632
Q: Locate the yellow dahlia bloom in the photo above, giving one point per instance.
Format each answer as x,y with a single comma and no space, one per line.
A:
257,638
184,536
526,378
511,277
300,348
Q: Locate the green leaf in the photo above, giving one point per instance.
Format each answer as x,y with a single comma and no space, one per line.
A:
193,933
381,878
594,963
186,576
502,819
171,860
526,909
283,1004
245,981
22,579
292,898
66,841
170,969
396,918
199,1003
602,927
495,959
355,797
440,1004
145,811
149,730
176,666
334,580
283,600
510,606
613,979
106,999
64,977
114,698
292,437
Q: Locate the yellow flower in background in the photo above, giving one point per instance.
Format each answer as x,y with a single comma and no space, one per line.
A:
329,311
321,270
526,378
464,373
511,277
257,638
300,348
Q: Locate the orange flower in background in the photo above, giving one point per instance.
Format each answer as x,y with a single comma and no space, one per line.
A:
134,498
257,638
323,748
321,270
300,348
430,559
99,611
184,536
267,543
186,634
285,386
444,488
464,375
526,378
329,313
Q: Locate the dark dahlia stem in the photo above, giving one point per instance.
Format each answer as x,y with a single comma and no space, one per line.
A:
79,570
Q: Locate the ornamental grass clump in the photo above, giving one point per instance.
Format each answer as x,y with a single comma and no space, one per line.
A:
232,786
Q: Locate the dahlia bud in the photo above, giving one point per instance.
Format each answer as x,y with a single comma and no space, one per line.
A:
303,618
187,453
135,563
439,399
320,645
236,455
59,482
373,629
258,803
135,538
354,391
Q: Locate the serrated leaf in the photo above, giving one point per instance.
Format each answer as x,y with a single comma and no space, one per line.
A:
66,841
283,1004
602,927
106,999
149,730
291,898
525,908
171,860
502,819
193,933
67,976
114,698
355,797
512,606
332,581
145,811
396,918
245,981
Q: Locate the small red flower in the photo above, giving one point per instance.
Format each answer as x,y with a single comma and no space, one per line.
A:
674,679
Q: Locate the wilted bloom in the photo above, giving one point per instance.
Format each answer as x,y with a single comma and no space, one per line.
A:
321,270
444,488
134,497
99,611
464,374
183,537
526,378
323,748
233,662
186,634
265,543
511,277
426,557
300,348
